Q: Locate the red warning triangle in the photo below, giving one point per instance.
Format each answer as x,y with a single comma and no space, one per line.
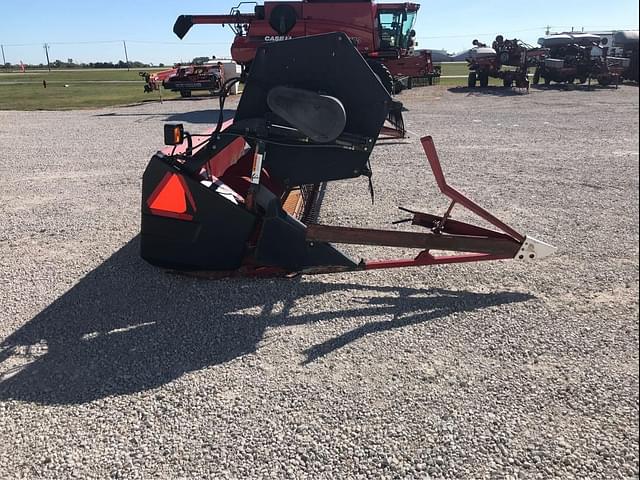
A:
171,196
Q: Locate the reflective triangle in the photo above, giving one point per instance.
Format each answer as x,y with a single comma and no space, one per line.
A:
171,197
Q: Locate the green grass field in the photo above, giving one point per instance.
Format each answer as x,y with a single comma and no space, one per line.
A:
102,88
85,89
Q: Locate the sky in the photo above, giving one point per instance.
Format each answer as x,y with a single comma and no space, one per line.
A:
89,31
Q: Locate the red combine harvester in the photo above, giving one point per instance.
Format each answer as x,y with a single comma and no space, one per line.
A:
243,200
382,33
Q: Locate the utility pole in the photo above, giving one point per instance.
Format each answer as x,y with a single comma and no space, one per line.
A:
548,30
46,51
126,57
4,62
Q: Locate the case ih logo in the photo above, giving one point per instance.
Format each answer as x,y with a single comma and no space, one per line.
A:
280,38
277,38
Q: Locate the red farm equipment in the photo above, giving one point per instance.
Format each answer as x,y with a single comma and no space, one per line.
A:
382,33
508,60
195,78
575,57
628,41
241,199
186,79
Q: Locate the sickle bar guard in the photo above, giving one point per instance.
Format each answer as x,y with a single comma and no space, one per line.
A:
243,201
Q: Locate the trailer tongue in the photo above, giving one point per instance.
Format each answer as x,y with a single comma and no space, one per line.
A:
241,201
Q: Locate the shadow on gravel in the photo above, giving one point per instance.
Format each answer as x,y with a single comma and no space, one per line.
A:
496,91
572,87
127,327
200,116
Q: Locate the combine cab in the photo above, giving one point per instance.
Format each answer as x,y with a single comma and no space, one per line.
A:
508,60
382,33
242,201
575,57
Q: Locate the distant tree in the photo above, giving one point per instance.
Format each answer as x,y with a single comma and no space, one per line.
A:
161,65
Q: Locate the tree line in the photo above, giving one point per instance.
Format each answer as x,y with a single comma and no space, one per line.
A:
59,64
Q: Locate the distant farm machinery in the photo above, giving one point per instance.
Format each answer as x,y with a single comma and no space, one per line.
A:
628,42
577,57
186,79
508,60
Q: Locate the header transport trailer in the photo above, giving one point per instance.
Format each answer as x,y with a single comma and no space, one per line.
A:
382,33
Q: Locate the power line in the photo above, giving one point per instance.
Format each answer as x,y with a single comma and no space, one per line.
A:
102,42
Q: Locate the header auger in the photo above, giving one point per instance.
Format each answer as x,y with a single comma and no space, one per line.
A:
242,201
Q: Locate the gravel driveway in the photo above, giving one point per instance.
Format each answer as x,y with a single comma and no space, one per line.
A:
111,368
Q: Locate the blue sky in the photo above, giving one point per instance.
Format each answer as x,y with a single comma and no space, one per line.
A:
73,27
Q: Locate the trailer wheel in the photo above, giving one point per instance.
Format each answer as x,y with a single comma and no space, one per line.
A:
484,80
384,75
471,83
185,93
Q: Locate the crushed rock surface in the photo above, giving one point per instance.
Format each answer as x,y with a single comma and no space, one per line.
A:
111,368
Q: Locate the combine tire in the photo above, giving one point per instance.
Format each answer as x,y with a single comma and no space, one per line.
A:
383,74
536,77
472,80
185,93
507,82
484,80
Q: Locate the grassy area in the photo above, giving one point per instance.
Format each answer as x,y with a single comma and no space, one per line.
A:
460,69
454,69
73,89
94,88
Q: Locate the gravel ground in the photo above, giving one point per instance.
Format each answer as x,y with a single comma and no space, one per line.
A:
110,368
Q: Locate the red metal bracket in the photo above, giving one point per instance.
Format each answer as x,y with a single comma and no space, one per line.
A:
453,194
453,231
